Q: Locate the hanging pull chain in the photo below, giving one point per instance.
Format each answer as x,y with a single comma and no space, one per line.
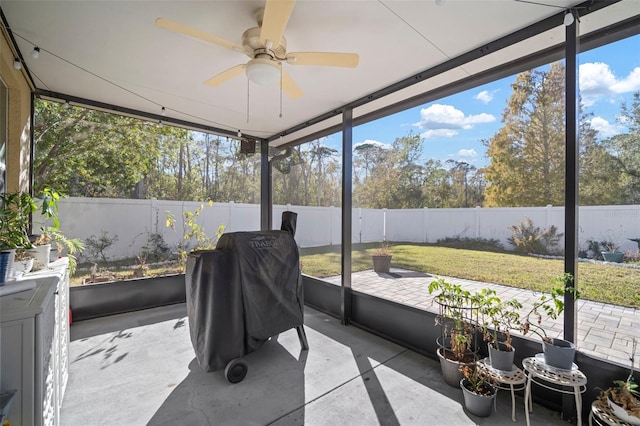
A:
281,84
247,101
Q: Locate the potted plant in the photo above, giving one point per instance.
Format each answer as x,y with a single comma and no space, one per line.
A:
622,397
41,250
23,262
15,211
382,258
558,353
611,252
52,235
458,320
478,390
498,318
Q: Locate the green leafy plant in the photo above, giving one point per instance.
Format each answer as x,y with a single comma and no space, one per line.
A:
528,238
551,305
51,234
15,219
155,249
70,247
458,316
193,231
482,244
98,245
498,318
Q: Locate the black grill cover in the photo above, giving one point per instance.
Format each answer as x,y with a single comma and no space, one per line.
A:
242,293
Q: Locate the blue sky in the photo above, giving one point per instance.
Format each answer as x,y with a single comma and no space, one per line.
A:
453,127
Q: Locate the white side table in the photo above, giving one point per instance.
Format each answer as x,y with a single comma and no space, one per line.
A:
513,380
564,381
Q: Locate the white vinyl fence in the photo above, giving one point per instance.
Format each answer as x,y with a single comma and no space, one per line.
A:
131,221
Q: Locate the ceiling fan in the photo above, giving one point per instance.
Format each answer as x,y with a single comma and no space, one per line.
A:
266,47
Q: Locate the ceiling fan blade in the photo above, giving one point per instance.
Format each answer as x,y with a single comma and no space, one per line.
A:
224,76
326,59
200,35
290,87
274,21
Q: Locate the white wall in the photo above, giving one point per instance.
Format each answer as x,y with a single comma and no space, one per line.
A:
133,220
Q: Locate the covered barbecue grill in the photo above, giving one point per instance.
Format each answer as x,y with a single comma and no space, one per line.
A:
240,294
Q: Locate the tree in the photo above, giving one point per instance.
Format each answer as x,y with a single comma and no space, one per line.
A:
436,186
625,150
600,182
89,153
527,154
394,178
459,172
84,152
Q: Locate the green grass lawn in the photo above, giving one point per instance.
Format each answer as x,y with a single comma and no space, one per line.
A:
597,282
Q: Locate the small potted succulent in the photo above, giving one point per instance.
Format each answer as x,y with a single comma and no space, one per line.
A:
558,353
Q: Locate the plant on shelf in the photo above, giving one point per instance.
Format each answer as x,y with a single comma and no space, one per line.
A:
558,353
51,234
23,262
15,212
479,390
458,320
381,258
498,319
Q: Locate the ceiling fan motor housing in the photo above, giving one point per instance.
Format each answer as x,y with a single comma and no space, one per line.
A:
251,43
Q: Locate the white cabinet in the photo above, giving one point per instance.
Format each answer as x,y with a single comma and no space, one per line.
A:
34,347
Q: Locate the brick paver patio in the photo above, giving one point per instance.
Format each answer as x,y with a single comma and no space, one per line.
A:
603,330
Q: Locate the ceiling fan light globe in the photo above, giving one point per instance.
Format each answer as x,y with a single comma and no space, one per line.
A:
263,72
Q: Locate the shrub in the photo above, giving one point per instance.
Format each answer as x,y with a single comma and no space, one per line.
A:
480,244
156,249
531,239
97,246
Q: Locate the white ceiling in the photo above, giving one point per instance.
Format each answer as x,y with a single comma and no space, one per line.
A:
112,52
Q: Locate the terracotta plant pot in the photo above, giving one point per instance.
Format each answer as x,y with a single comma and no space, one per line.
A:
381,263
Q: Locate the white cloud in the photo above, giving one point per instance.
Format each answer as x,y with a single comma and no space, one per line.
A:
469,156
604,128
485,96
445,121
467,153
372,142
438,133
597,81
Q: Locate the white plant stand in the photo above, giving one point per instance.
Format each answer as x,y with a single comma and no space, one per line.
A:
513,381
564,381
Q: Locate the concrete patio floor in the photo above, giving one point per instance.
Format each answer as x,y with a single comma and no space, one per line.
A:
140,369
